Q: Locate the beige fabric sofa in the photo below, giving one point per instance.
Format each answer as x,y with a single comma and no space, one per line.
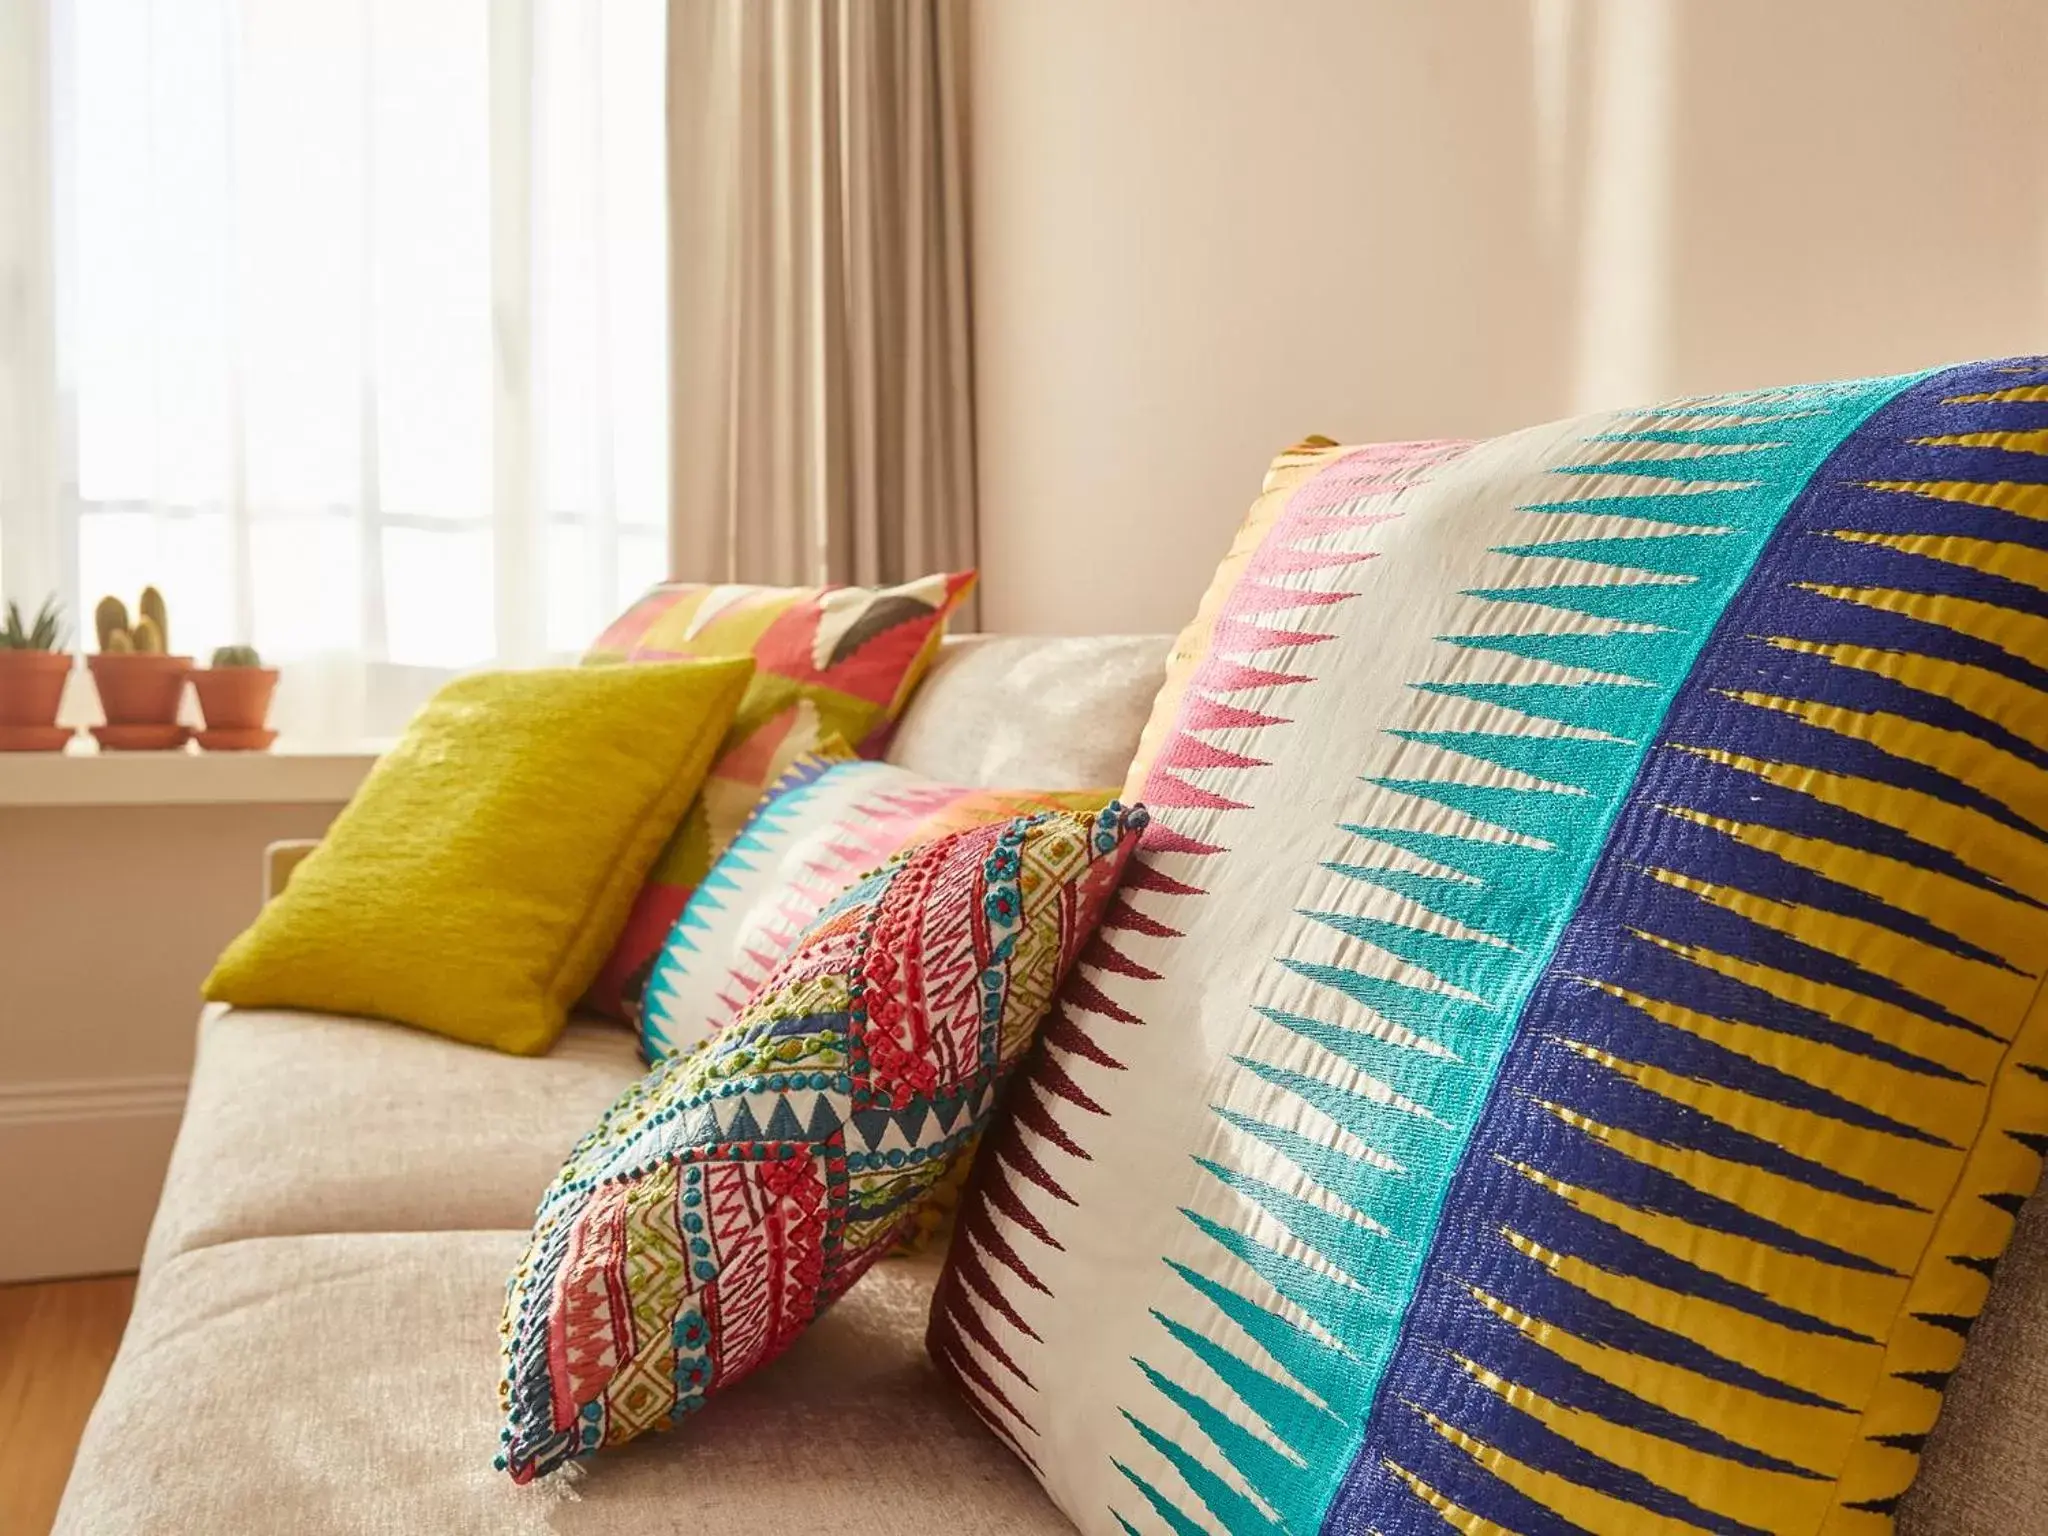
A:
314,1344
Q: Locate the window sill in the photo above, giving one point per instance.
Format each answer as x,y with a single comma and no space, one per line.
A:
85,776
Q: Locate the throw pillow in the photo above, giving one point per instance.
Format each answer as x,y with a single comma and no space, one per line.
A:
828,661
477,879
827,821
1571,1048
733,1193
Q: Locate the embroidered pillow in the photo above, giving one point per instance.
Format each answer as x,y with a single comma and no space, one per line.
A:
735,1192
828,661
1571,1047
825,823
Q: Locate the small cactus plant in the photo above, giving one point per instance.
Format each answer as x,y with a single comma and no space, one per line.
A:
149,634
151,607
234,695
44,633
110,619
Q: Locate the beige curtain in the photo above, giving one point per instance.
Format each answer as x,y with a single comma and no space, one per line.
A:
821,376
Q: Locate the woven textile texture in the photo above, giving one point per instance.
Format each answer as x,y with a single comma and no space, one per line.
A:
474,884
828,661
735,1192
830,819
1570,1050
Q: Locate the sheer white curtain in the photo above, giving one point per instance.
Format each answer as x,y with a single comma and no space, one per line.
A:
342,321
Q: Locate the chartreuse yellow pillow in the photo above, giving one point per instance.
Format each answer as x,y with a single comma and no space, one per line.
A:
482,872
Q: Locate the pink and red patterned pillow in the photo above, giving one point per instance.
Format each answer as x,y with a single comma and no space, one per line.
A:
828,662
734,1192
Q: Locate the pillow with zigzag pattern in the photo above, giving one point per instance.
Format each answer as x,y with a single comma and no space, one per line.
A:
1572,1048
735,1192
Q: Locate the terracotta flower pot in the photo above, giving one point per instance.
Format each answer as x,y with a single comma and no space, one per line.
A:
139,687
234,698
31,684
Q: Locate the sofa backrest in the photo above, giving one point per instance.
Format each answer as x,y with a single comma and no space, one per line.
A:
1032,712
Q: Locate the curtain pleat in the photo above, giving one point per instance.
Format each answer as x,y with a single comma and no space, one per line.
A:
821,372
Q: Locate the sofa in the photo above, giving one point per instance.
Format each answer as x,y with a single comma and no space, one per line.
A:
314,1343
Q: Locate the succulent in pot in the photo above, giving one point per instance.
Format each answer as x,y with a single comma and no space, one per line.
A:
140,683
33,667
43,634
234,696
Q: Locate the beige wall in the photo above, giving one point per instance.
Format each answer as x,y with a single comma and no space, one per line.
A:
109,919
1205,228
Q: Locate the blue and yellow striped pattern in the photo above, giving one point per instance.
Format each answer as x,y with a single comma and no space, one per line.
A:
1710,1072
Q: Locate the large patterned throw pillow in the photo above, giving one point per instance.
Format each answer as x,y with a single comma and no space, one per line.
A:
1571,1048
828,662
733,1193
830,819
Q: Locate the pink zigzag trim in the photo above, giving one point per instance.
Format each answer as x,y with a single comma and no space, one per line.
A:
1047,1085
1244,636
1171,790
1199,712
1186,752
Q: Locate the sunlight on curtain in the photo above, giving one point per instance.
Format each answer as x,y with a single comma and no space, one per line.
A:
360,330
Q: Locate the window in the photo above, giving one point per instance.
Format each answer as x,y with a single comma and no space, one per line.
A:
357,332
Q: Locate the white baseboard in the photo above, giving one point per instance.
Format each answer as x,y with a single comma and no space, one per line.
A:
81,1165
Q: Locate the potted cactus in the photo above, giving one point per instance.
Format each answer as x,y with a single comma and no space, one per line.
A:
33,666
140,683
234,696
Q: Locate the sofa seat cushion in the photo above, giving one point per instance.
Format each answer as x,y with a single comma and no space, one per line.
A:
349,1383
308,1122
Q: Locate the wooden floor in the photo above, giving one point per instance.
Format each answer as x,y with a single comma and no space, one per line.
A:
56,1342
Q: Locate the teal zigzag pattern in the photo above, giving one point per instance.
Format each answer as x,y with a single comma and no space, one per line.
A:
1534,723
782,805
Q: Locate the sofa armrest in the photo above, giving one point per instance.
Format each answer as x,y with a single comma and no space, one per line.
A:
280,859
